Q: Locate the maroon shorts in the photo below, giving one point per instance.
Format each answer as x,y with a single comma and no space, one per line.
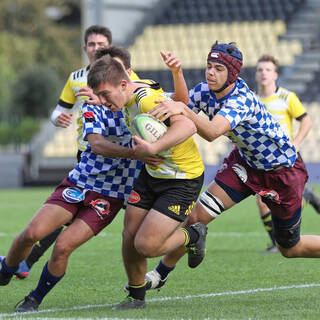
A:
281,189
95,209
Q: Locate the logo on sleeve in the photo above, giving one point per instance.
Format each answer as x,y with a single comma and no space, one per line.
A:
89,116
73,195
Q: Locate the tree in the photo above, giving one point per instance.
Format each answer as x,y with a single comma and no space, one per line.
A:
37,52
36,90
30,36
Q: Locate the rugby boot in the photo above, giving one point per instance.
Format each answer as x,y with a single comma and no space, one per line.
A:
196,251
28,304
153,281
23,270
130,303
5,277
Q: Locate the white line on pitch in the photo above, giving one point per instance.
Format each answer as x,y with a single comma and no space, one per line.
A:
204,295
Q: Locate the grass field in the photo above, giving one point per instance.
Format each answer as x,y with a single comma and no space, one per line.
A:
235,281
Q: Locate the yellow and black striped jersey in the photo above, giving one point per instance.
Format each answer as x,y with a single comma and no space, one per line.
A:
77,80
182,161
285,106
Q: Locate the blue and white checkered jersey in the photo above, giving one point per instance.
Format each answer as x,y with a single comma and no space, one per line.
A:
113,177
259,138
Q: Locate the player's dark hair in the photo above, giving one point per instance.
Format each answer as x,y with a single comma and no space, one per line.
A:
106,69
115,52
269,58
97,29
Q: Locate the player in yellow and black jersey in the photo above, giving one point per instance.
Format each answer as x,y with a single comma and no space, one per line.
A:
95,37
164,194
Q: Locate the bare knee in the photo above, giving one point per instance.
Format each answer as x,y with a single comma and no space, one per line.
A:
61,249
146,247
28,236
127,236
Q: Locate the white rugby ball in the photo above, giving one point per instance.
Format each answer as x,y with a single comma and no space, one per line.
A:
148,128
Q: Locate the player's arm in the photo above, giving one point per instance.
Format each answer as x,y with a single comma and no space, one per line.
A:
99,145
180,87
60,116
298,111
304,128
181,128
207,129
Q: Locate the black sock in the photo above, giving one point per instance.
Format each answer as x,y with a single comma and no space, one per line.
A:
268,225
192,236
46,283
41,247
6,271
163,270
137,292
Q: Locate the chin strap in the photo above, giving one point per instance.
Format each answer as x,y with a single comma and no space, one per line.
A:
222,88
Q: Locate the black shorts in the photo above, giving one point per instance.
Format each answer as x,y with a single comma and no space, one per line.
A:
174,198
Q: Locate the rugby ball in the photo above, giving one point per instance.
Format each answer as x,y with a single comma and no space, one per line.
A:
148,128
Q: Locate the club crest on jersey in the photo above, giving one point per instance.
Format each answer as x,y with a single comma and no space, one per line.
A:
241,172
271,195
89,116
73,195
133,197
101,207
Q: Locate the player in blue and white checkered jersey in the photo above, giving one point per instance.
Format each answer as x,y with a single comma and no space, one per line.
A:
87,201
263,162
258,137
112,177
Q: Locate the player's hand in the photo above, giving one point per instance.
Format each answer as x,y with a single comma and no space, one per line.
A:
166,108
295,144
142,148
172,61
64,120
88,92
152,160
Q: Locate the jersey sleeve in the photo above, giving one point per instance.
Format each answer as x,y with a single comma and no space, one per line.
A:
67,97
195,98
295,107
92,120
236,111
149,102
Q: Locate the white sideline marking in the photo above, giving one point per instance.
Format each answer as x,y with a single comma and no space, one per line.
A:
204,295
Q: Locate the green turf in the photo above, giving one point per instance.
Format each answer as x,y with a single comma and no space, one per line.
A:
235,281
